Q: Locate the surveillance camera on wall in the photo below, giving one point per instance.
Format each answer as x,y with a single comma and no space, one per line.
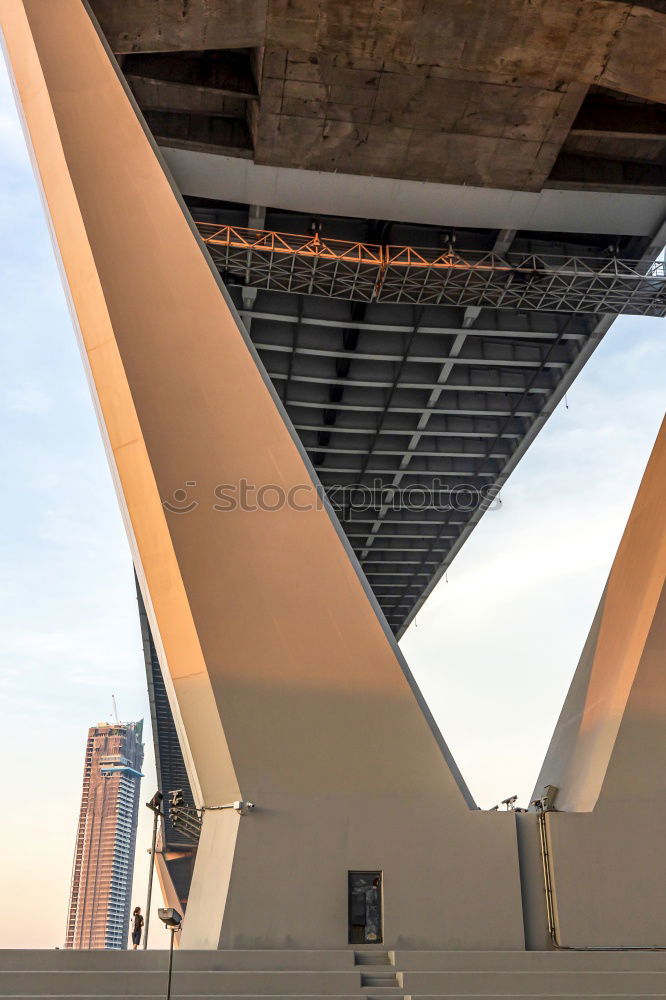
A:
243,807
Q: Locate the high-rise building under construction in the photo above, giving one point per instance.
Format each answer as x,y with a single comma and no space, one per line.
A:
101,891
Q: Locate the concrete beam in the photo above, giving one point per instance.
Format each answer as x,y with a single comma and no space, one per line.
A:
171,25
601,116
582,172
223,71
200,131
634,62
161,95
658,5
204,175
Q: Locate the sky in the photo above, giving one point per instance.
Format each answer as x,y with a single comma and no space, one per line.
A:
493,650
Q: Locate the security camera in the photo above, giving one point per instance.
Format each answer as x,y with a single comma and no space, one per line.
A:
169,916
243,807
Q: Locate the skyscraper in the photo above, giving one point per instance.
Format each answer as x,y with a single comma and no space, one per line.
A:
101,890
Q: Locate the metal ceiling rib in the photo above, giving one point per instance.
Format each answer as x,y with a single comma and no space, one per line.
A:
412,395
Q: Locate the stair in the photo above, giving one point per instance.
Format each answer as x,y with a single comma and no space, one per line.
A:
384,981
377,978
374,958
343,974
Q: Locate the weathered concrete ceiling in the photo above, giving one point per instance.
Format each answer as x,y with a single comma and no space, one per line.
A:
169,25
463,92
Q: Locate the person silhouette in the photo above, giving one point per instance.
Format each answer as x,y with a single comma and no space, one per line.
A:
137,927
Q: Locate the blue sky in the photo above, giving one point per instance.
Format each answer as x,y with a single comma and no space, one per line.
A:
493,650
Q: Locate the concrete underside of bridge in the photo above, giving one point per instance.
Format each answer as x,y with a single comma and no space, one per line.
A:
269,632
511,95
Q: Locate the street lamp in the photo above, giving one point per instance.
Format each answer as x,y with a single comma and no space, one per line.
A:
171,919
155,805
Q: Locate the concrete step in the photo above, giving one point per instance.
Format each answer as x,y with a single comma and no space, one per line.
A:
574,983
373,958
240,960
343,960
529,961
122,983
335,984
383,980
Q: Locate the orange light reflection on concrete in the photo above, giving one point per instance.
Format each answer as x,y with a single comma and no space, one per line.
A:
633,591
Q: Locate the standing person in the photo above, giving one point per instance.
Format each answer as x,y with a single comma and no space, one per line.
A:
137,926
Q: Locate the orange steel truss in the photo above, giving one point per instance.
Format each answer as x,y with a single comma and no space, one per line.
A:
314,265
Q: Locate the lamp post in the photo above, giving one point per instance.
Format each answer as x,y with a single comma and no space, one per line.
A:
171,919
155,806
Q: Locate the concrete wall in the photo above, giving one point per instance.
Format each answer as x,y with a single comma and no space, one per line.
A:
532,883
610,864
284,681
608,754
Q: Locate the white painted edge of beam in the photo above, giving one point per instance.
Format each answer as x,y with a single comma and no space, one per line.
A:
230,178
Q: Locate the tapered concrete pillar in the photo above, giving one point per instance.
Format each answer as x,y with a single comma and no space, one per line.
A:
285,683
608,753
580,752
